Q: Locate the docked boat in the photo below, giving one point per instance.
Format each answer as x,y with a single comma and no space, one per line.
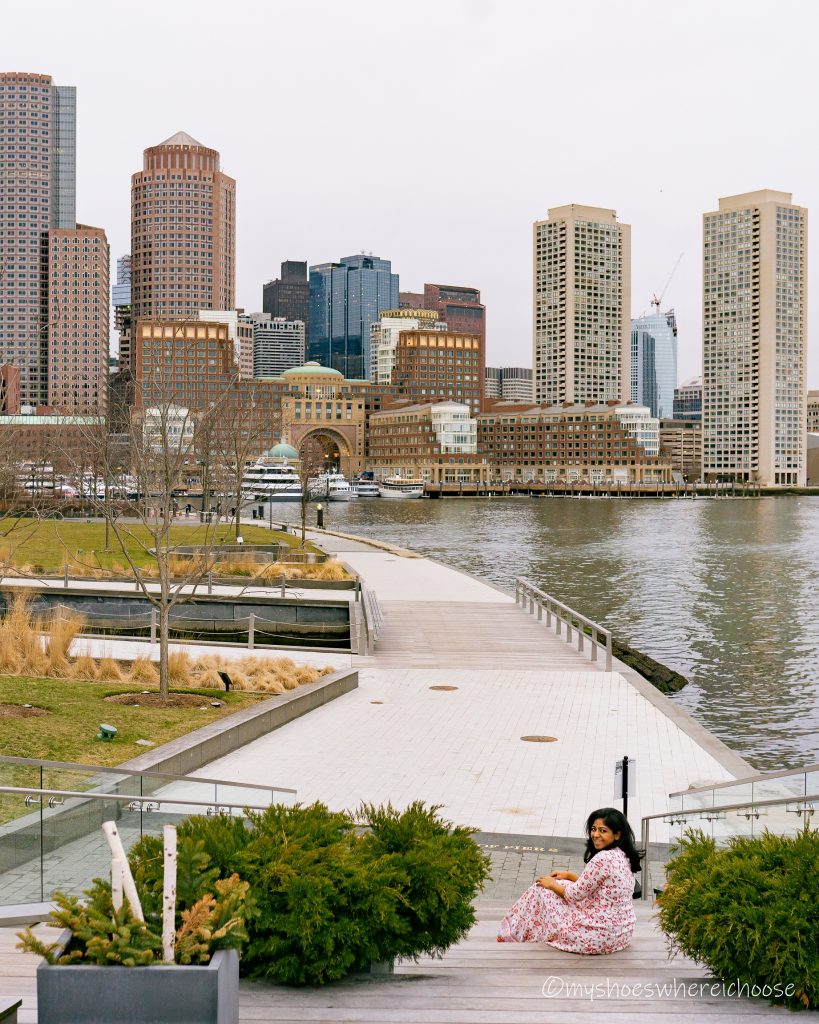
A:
271,480
333,486
364,488
400,487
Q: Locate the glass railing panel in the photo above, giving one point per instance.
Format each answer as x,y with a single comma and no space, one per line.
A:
250,796
812,782
703,798
785,787
22,776
75,850
88,780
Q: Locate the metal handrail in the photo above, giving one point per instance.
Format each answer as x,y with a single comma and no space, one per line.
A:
150,772
759,777
124,798
807,801
527,592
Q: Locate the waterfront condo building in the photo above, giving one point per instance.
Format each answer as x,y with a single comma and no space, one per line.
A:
606,443
681,445
754,339
654,362
434,442
346,298
183,232
438,366
78,313
37,193
582,306
289,295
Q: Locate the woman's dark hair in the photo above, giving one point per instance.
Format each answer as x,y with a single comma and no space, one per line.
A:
615,820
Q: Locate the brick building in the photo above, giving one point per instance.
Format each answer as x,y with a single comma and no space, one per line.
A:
439,366
564,443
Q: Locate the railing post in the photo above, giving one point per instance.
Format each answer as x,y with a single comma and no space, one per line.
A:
251,631
558,621
283,584
569,628
65,574
594,643
210,581
153,625
540,609
580,636
644,870
608,652
548,611
531,602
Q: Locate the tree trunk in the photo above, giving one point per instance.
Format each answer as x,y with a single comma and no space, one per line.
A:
164,620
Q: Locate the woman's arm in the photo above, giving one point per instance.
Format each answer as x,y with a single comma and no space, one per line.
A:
590,879
568,876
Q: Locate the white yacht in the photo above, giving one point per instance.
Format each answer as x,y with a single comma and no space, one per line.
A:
333,486
270,479
362,488
400,487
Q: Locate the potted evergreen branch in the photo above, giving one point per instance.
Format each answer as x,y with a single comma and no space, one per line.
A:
166,950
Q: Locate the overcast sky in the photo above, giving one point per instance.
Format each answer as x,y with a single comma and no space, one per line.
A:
434,133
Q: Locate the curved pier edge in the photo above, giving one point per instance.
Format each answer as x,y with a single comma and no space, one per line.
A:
727,758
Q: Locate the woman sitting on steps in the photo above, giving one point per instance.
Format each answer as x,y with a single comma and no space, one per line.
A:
589,913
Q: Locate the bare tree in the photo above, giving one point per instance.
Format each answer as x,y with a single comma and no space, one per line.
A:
239,438
168,441
311,465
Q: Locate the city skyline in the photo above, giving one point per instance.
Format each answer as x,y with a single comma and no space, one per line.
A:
472,226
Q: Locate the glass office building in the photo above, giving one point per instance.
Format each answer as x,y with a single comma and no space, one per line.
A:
654,362
345,300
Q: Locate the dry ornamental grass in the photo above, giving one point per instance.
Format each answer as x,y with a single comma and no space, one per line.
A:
31,645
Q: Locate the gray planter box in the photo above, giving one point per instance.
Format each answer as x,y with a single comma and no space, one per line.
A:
161,994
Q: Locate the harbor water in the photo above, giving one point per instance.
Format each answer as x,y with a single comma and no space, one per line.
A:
725,591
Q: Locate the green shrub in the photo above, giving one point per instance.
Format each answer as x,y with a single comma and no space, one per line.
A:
433,871
210,913
749,911
330,900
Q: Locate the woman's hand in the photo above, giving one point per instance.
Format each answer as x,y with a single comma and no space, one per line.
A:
567,876
547,882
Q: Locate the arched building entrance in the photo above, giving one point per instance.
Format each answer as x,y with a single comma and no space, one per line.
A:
334,446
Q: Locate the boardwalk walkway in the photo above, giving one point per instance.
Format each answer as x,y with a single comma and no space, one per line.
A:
481,981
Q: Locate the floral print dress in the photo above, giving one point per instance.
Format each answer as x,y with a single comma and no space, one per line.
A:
595,916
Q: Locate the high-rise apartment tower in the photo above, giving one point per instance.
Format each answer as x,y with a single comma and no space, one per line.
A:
37,193
183,232
754,339
582,300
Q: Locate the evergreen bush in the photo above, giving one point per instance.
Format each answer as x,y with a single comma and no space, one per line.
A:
749,911
333,893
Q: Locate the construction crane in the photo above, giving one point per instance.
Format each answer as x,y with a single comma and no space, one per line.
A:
657,299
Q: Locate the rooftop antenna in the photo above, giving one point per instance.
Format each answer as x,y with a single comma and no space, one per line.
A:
657,299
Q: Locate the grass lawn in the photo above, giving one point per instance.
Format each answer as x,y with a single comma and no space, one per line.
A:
76,709
49,543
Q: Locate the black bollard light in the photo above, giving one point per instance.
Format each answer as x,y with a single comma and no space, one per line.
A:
320,516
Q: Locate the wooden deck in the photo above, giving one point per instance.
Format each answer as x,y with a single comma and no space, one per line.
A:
480,981
469,634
